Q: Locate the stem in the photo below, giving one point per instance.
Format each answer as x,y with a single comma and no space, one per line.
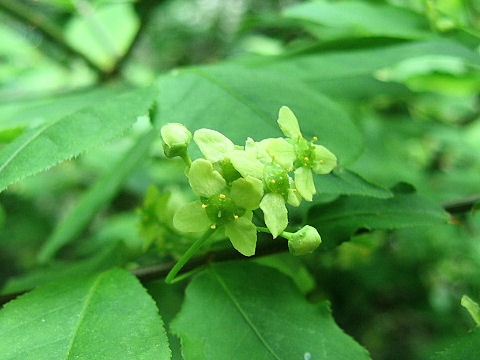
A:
285,234
170,279
186,159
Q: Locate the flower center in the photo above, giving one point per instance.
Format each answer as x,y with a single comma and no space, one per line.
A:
221,209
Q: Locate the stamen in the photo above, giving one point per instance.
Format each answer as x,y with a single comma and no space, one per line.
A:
294,190
235,217
213,227
306,158
290,169
273,181
222,196
315,138
273,157
299,136
204,206
321,161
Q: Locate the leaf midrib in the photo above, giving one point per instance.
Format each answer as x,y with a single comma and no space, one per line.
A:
81,316
241,99
243,313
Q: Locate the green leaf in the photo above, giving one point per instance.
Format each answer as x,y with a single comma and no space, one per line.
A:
54,141
244,310
464,349
17,115
345,182
97,197
359,18
329,65
239,103
339,220
106,316
169,299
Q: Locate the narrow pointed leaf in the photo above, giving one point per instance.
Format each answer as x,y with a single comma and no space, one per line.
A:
98,196
339,220
61,139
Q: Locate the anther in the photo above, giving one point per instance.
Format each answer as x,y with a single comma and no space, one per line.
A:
204,206
235,217
273,181
273,156
213,227
321,161
315,138
294,190
299,136
290,169
222,196
306,158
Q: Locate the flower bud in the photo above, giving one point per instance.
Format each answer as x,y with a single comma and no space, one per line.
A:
304,241
176,138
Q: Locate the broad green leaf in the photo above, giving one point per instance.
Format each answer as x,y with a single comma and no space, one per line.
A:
54,141
112,255
465,349
243,310
97,197
106,316
337,221
359,18
345,182
291,266
240,103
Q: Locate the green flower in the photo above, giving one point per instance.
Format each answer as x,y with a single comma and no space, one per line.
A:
308,156
176,138
304,241
229,207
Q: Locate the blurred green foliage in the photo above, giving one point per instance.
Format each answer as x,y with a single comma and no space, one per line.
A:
391,85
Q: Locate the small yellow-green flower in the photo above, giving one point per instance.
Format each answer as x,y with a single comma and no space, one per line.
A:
308,156
220,205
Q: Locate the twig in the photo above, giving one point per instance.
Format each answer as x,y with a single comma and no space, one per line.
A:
44,26
266,246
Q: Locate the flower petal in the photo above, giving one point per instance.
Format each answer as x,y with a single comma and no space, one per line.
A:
288,123
246,164
247,192
243,235
275,213
280,151
304,183
204,180
213,145
294,198
191,217
324,160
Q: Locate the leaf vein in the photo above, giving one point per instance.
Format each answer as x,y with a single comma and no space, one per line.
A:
243,313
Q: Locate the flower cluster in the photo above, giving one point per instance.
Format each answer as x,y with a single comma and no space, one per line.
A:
232,181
